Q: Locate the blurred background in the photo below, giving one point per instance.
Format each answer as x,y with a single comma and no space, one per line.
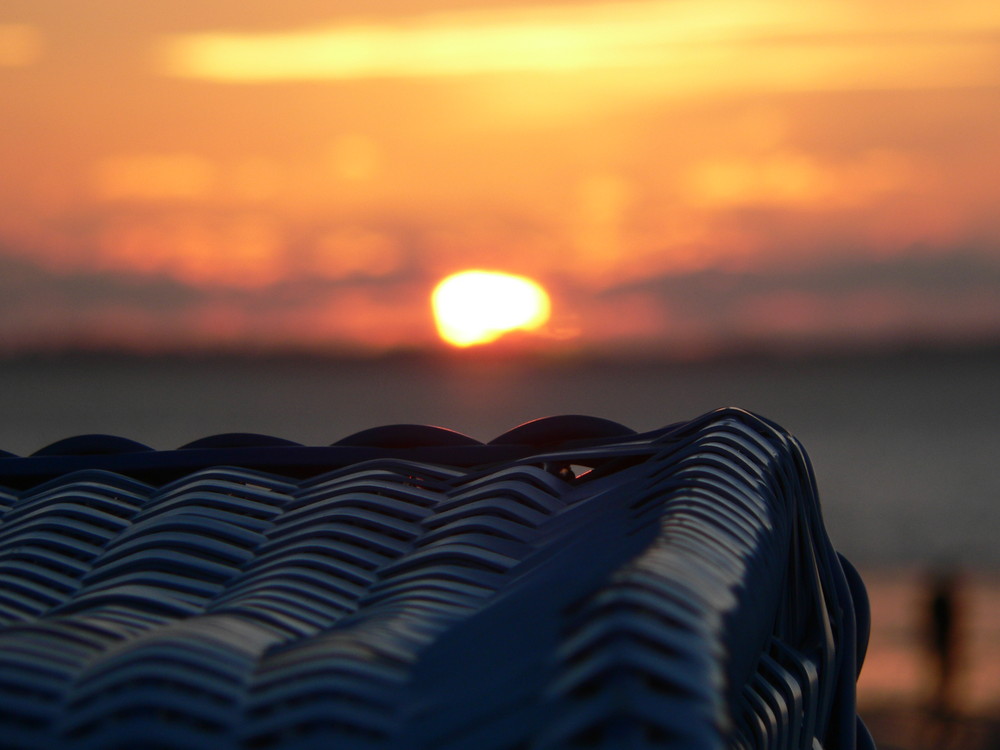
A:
231,216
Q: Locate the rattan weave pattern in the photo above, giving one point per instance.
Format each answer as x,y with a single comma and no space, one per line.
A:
572,584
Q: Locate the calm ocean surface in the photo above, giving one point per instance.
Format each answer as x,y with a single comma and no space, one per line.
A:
906,448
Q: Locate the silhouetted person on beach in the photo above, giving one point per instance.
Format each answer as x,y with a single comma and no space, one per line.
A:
943,613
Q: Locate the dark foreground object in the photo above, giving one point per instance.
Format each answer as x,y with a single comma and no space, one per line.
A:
573,584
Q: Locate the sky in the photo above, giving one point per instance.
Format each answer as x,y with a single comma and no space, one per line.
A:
681,176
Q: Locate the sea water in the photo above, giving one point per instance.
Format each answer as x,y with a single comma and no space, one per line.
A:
905,447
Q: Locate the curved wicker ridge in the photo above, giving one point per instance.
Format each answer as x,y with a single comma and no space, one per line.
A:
572,584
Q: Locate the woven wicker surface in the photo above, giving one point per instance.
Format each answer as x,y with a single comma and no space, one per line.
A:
572,584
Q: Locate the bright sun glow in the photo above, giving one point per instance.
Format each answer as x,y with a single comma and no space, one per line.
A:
477,307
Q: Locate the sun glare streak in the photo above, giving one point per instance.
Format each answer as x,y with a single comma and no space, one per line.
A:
478,307
371,51
718,42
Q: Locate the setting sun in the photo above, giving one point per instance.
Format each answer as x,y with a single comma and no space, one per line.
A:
477,307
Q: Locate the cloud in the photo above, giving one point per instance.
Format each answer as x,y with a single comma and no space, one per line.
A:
42,310
924,297
693,46
928,296
153,177
792,178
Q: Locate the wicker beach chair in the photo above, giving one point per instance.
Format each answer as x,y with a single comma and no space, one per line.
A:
572,584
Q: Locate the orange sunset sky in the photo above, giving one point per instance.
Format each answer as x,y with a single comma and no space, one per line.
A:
680,175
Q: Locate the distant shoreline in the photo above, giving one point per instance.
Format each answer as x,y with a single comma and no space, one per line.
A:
894,352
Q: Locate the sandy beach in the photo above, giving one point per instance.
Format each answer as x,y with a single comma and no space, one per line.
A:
896,682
